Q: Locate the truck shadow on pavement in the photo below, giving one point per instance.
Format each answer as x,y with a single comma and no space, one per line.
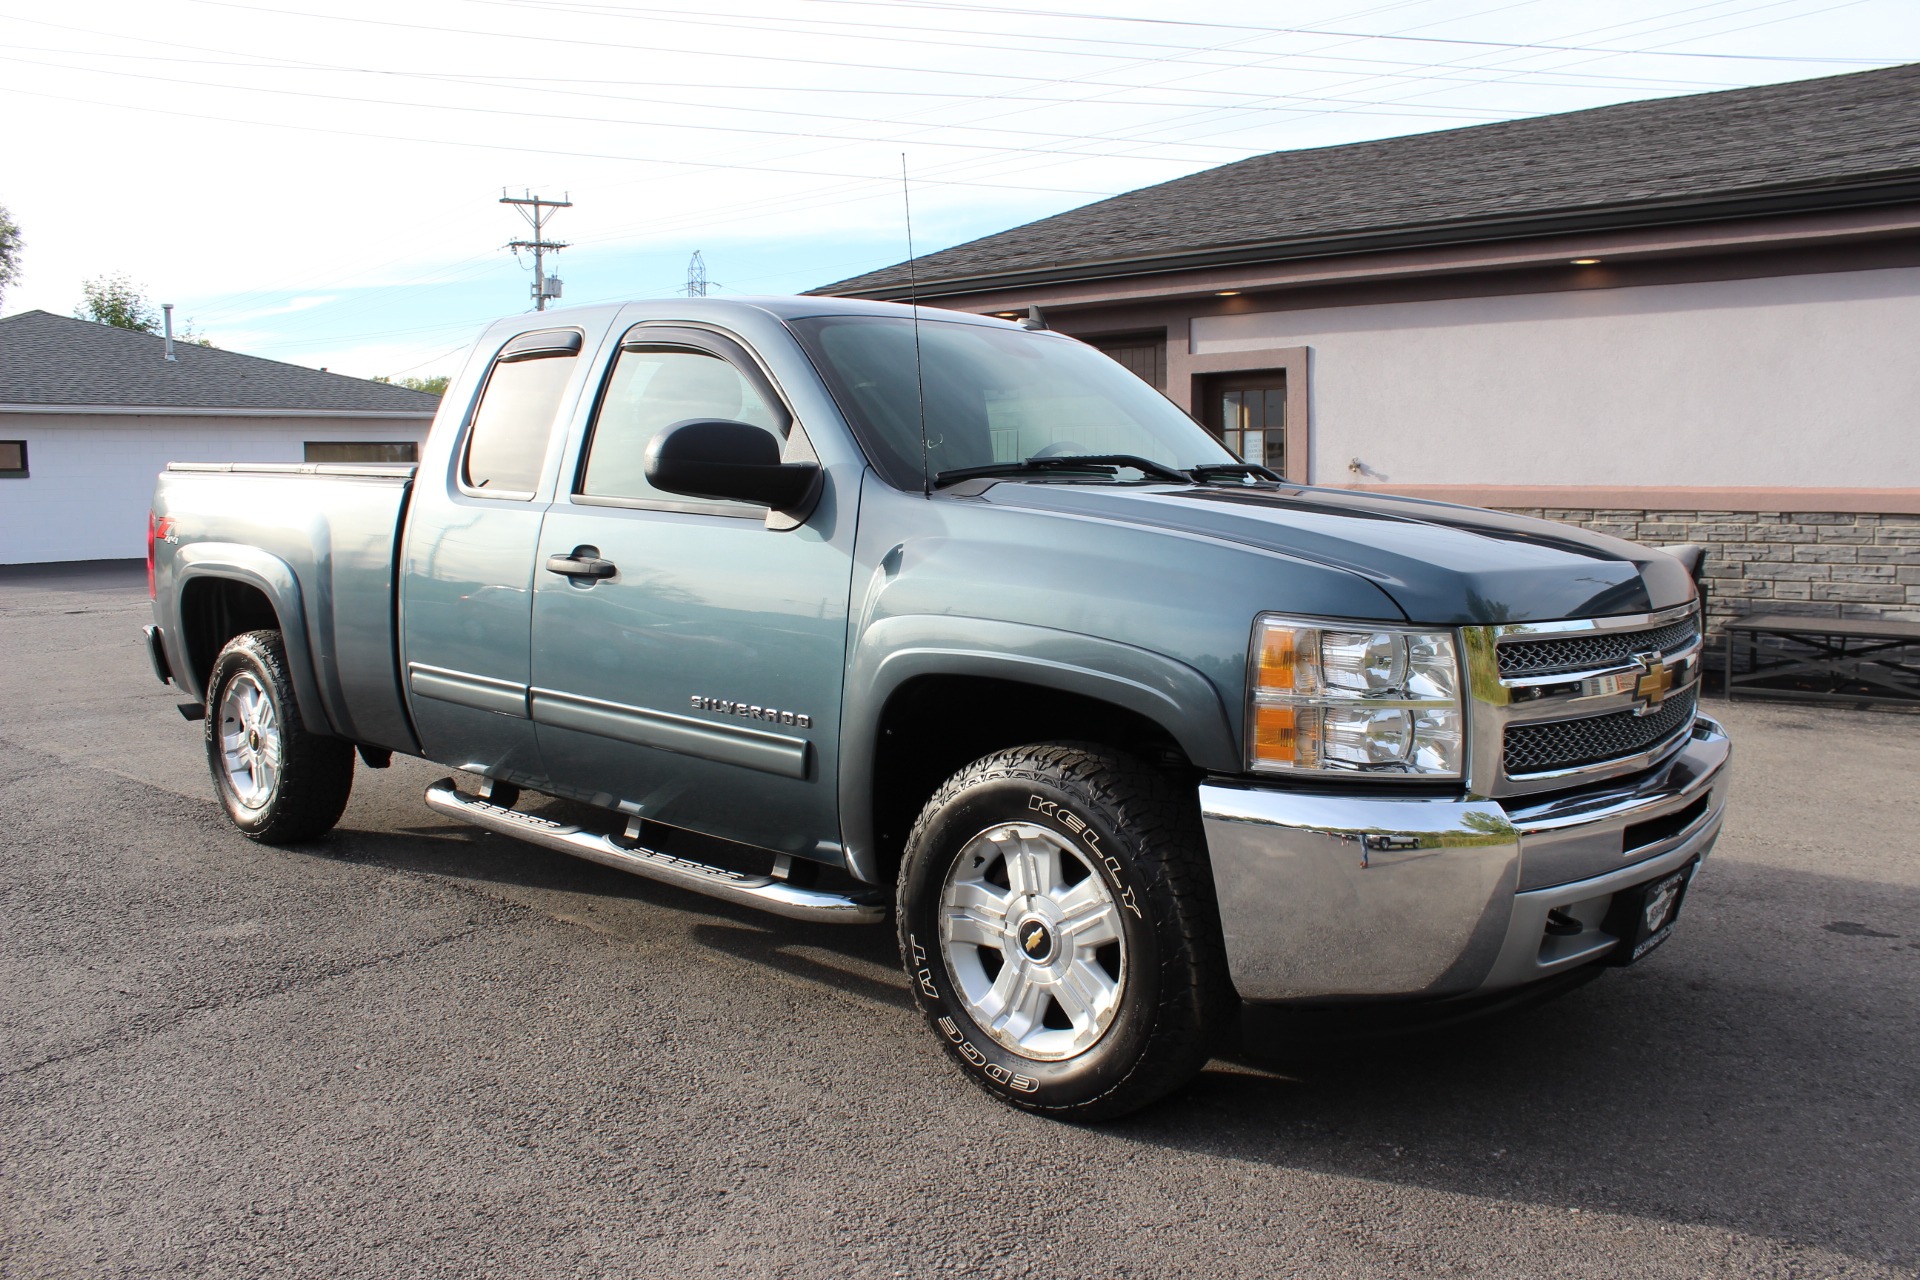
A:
1756,1076
835,955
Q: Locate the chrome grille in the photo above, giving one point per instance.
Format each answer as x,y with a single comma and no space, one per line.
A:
1569,744
1522,657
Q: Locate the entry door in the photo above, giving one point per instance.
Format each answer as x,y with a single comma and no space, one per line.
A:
1248,411
698,684
466,587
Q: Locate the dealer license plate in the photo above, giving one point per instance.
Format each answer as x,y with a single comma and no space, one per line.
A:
1643,917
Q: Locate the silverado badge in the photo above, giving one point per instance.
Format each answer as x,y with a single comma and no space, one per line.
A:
728,707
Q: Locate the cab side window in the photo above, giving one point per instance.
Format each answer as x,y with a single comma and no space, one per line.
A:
507,441
651,389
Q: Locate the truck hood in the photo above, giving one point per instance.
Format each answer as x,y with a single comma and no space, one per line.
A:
1439,563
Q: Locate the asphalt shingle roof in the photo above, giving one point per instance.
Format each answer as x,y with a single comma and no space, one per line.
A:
55,360
1668,151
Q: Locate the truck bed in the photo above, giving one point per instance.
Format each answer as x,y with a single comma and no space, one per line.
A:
321,541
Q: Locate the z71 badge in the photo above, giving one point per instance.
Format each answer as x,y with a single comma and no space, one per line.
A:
727,707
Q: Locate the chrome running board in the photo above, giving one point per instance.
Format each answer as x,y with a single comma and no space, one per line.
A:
764,892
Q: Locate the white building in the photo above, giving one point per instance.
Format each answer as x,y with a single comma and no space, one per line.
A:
90,414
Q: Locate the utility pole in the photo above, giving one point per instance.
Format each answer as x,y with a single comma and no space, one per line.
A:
536,211
696,276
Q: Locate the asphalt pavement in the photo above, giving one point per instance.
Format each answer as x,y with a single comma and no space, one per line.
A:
415,1049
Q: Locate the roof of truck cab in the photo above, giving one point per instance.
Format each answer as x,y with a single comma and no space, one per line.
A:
780,306
49,360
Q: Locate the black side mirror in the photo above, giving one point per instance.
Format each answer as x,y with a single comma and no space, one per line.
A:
732,461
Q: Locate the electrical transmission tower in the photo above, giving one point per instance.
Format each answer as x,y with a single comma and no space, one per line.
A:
537,211
697,276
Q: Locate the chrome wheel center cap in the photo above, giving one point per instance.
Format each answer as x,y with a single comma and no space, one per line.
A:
1035,940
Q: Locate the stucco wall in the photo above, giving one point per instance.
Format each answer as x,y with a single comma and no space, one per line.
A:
1803,380
92,477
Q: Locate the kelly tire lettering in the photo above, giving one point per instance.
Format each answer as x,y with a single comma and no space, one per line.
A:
1079,829
1138,829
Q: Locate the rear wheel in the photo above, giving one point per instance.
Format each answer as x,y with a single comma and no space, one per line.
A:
280,782
1058,925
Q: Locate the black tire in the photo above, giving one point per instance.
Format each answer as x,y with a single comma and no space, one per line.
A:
1113,817
306,793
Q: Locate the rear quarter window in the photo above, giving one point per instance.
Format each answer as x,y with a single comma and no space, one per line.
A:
507,439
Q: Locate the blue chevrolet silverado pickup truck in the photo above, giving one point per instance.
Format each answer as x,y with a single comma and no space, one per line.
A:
847,610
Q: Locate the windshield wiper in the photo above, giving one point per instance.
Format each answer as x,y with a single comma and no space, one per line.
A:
1245,470
1096,463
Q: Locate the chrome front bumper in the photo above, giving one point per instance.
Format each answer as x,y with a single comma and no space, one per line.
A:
1326,896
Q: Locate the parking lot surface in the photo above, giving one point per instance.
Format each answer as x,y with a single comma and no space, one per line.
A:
415,1049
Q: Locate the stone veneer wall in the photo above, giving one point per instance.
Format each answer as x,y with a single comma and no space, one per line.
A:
1826,563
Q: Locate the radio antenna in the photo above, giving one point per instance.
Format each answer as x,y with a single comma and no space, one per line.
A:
913,296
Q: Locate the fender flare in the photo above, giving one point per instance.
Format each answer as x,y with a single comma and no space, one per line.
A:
1171,694
273,578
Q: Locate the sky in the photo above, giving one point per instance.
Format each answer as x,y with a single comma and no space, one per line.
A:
320,182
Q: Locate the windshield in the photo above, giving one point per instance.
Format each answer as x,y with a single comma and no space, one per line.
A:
993,395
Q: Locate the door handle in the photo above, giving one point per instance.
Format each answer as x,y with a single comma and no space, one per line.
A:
582,562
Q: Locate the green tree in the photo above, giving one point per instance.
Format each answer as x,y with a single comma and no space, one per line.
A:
10,244
113,299
436,386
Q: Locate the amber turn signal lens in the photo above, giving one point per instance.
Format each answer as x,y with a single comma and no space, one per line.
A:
1276,659
1276,738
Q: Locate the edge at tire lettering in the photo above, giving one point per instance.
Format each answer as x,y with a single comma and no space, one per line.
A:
992,1070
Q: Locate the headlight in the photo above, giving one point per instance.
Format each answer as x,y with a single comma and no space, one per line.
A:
1354,699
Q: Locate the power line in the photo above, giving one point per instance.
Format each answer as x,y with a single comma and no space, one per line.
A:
531,83
539,151
515,83
998,11
520,113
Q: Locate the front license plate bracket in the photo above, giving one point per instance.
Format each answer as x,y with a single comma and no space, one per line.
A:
1643,917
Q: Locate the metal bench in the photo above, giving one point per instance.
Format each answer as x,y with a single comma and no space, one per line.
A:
1855,659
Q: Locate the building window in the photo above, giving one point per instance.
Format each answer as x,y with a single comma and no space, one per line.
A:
1248,411
13,459
1144,354
362,451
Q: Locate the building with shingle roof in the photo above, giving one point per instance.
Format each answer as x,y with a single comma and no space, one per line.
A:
57,360
89,414
1684,319
1839,142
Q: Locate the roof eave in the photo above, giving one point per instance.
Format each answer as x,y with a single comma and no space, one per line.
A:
193,411
1898,187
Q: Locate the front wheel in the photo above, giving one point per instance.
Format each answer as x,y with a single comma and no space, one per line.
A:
280,782
1058,925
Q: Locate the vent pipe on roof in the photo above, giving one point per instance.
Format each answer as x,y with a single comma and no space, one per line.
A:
166,310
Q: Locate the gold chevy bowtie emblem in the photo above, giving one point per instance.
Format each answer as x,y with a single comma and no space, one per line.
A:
1656,684
1033,939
